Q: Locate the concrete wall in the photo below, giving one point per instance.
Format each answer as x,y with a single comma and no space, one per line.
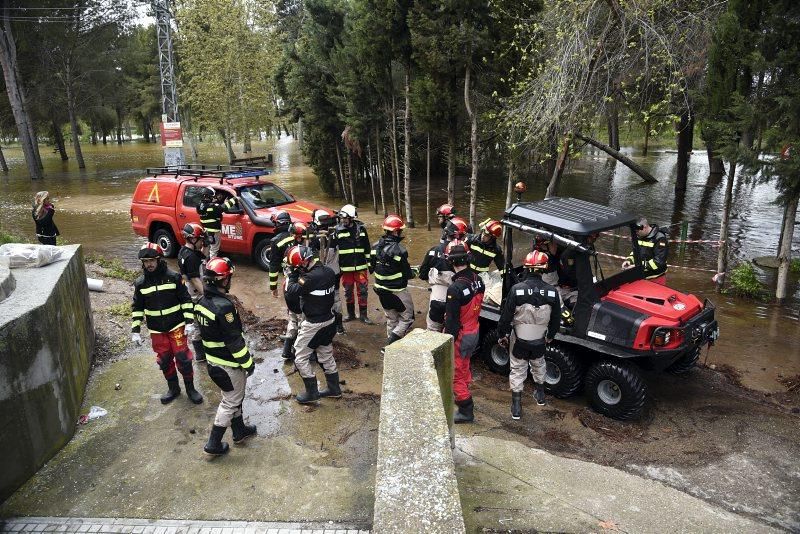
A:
415,483
46,346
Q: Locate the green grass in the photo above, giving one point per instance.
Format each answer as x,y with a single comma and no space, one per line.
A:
6,237
744,282
794,266
113,267
122,309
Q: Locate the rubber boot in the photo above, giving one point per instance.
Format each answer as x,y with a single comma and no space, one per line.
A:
311,394
389,340
215,446
516,405
199,352
464,413
173,392
288,348
240,430
363,316
351,312
538,394
192,393
334,390
337,319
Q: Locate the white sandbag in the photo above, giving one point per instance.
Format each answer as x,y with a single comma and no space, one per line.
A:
19,255
94,284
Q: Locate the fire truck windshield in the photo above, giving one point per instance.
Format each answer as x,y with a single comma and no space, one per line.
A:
265,195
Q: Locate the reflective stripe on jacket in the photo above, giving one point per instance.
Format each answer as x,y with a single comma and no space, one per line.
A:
161,300
221,330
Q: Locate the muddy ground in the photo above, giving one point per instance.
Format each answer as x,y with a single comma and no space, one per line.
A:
703,433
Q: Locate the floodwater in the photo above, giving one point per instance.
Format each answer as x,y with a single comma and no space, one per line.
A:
760,340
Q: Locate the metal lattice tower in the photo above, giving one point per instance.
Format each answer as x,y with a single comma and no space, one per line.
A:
166,59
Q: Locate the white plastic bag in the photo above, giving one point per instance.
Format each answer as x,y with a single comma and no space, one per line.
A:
97,411
21,255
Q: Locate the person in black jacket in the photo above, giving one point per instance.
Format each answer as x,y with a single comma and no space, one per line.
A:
531,315
653,250
212,206
313,284
190,262
298,232
350,239
278,246
484,248
161,300
321,241
229,360
389,262
43,210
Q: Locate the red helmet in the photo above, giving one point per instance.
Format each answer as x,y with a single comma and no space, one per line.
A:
299,256
392,223
150,251
536,260
446,211
456,228
492,227
457,252
218,268
193,230
299,229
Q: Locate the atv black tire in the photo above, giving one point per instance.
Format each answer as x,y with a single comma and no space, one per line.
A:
563,378
685,363
616,390
495,356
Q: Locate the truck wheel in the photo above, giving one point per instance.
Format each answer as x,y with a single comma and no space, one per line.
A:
685,363
616,390
164,238
495,356
261,254
563,376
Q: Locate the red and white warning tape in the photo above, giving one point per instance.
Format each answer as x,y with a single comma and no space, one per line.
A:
689,241
671,266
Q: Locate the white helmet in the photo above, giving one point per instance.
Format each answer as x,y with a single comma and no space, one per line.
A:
348,210
319,215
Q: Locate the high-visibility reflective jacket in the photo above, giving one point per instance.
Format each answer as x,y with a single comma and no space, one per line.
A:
278,246
483,254
211,214
389,262
353,245
653,250
315,290
161,300
221,330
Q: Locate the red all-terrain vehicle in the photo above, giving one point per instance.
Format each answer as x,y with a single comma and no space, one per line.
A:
621,323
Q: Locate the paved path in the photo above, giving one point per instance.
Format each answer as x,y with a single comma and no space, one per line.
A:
166,526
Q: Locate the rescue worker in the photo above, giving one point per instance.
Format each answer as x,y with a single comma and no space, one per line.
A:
435,270
531,315
190,262
313,284
211,208
353,245
542,244
298,232
389,262
484,248
567,273
161,300
322,244
653,250
444,213
278,246
229,361
462,311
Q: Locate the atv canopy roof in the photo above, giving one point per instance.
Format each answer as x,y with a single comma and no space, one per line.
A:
568,215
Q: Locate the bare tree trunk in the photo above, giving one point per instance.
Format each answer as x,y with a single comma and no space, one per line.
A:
248,146
105,137
349,161
341,172
228,145
58,137
555,180
473,141
395,160
619,156
16,96
372,177
715,165
722,257
510,188
612,116
119,125
380,169
73,121
3,163
407,149
646,137
451,167
428,183
93,136
785,249
685,136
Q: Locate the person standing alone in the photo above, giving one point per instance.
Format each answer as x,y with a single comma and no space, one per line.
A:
43,210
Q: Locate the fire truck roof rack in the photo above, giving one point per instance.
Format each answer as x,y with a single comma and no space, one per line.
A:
197,170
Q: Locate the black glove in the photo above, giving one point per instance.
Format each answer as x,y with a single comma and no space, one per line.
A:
250,370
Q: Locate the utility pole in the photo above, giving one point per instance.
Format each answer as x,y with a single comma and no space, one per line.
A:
171,136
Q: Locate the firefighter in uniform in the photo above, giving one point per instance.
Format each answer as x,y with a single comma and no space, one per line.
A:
653,250
161,300
298,233
435,270
353,245
229,361
212,206
531,316
462,311
444,213
277,247
190,263
313,284
484,248
389,262
322,244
